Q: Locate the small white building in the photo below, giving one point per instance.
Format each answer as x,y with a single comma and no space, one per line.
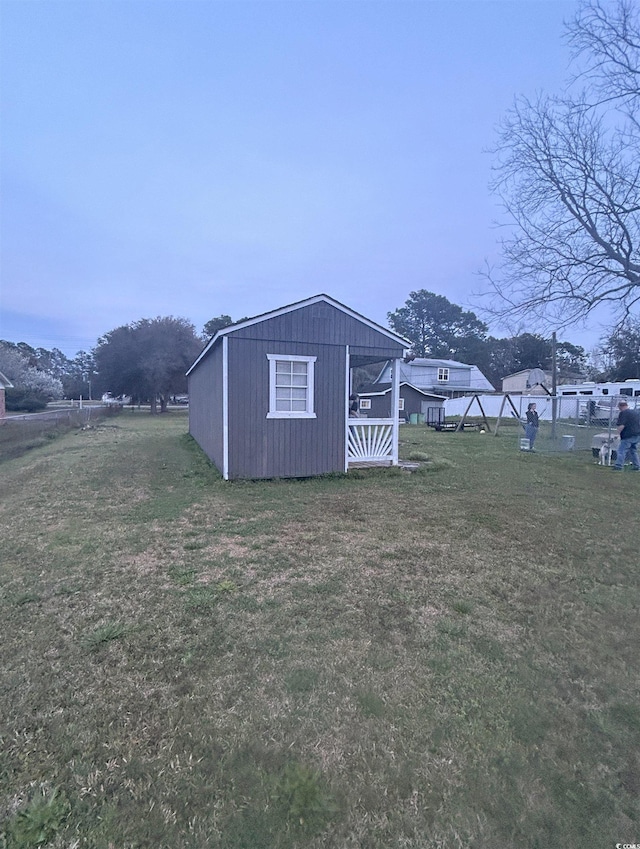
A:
521,382
535,381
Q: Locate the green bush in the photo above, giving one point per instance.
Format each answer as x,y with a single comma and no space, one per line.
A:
24,401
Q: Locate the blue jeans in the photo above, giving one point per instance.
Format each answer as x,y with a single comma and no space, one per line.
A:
628,446
530,432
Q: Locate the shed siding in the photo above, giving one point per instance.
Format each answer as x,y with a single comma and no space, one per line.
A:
264,448
325,325
380,406
414,402
205,407
261,447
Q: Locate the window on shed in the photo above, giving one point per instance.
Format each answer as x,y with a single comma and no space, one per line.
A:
365,403
443,374
291,392
401,403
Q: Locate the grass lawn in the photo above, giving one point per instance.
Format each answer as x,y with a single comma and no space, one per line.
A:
439,659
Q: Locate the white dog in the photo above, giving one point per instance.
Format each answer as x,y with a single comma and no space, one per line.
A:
604,458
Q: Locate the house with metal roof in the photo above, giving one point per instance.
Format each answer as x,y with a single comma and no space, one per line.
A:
269,396
441,377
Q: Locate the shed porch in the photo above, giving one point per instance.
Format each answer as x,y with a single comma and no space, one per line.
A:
373,441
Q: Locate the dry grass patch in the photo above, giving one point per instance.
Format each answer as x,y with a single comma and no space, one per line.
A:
438,659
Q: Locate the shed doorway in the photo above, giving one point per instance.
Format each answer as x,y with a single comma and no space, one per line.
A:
372,441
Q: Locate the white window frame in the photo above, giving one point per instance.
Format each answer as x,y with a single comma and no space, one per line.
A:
365,403
443,375
309,412
401,404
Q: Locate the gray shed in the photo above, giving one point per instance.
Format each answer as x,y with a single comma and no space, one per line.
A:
375,400
269,396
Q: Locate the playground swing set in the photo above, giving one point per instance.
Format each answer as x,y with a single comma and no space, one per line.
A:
462,425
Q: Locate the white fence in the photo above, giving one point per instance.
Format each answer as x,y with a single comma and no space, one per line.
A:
586,419
578,409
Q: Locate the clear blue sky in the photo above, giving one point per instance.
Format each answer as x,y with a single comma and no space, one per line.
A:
197,158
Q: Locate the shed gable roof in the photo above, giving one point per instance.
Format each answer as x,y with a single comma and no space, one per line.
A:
282,311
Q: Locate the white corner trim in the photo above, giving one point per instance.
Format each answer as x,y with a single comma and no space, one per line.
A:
395,403
225,408
347,394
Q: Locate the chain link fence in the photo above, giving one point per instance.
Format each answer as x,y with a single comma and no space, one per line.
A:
591,420
20,433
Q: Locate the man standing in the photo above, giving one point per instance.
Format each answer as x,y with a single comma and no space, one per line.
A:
629,429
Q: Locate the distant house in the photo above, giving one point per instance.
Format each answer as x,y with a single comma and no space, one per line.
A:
440,377
535,381
374,400
269,396
521,382
5,383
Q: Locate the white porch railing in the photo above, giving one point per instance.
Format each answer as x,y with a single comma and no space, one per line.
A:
370,441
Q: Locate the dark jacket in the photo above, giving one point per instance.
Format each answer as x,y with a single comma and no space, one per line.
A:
532,418
630,419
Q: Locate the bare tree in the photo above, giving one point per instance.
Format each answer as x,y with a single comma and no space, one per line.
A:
568,172
606,42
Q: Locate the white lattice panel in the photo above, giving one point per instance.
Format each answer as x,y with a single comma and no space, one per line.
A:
370,440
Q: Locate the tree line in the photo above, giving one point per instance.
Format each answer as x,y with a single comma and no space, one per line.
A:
39,375
438,328
147,360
